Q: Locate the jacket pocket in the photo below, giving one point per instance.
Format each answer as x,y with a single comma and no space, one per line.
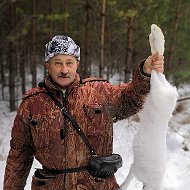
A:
96,119
37,182
54,183
40,133
95,114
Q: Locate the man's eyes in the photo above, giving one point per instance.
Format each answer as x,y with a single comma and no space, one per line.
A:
69,63
61,64
58,63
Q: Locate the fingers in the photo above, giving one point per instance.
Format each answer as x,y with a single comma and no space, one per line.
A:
158,66
147,65
157,57
157,62
154,62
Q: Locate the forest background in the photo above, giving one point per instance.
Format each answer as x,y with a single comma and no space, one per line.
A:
112,34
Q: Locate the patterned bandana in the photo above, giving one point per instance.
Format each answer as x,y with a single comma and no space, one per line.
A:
61,45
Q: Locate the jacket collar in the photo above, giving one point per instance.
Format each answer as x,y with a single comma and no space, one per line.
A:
51,87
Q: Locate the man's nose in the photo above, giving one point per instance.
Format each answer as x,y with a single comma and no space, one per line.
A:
64,69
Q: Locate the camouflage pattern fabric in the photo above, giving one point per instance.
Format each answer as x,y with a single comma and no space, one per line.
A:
94,103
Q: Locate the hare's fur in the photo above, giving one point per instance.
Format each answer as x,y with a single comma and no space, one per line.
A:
150,142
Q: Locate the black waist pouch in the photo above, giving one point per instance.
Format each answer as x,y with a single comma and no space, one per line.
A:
105,166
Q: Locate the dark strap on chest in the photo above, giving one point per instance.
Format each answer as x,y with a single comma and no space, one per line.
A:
66,170
74,123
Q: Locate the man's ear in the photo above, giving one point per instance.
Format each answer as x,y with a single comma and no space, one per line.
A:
78,64
47,65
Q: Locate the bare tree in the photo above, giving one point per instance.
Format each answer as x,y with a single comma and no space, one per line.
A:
2,76
2,72
50,27
65,18
173,35
34,73
129,48
102,35
50,20
87,41
12,60
22,70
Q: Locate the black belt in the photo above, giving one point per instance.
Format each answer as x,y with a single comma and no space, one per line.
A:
66,170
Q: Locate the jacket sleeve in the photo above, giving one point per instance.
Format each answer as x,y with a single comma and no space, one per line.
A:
127,99
21,152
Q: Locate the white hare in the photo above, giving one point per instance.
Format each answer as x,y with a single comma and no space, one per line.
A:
150,142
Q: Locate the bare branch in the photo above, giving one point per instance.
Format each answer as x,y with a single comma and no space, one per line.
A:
183,99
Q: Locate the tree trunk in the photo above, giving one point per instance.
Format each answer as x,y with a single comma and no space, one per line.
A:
65,23
22,70
34,82
87,42
173,35
12,77
102,35
50,26
2,73
110,62
50,20
2,4
2,77
129,49
12,60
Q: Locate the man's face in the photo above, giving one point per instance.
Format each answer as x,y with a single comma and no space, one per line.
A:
62,69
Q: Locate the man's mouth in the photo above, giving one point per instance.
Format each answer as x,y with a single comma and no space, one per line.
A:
63,77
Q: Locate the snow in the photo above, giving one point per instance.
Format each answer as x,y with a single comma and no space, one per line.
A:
177,175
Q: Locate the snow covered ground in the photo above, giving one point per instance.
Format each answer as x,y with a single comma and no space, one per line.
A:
178,142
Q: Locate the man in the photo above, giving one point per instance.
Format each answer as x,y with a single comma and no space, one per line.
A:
41,129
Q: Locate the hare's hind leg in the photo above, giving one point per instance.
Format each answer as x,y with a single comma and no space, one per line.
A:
128,179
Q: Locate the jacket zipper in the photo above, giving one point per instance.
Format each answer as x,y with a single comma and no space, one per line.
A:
64,101
63,132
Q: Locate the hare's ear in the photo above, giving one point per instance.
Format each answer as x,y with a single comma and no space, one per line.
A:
152,44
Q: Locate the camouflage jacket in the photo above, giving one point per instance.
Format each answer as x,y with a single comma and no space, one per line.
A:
94,103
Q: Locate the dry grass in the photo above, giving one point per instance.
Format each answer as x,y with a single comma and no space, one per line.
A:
185,120
179,108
